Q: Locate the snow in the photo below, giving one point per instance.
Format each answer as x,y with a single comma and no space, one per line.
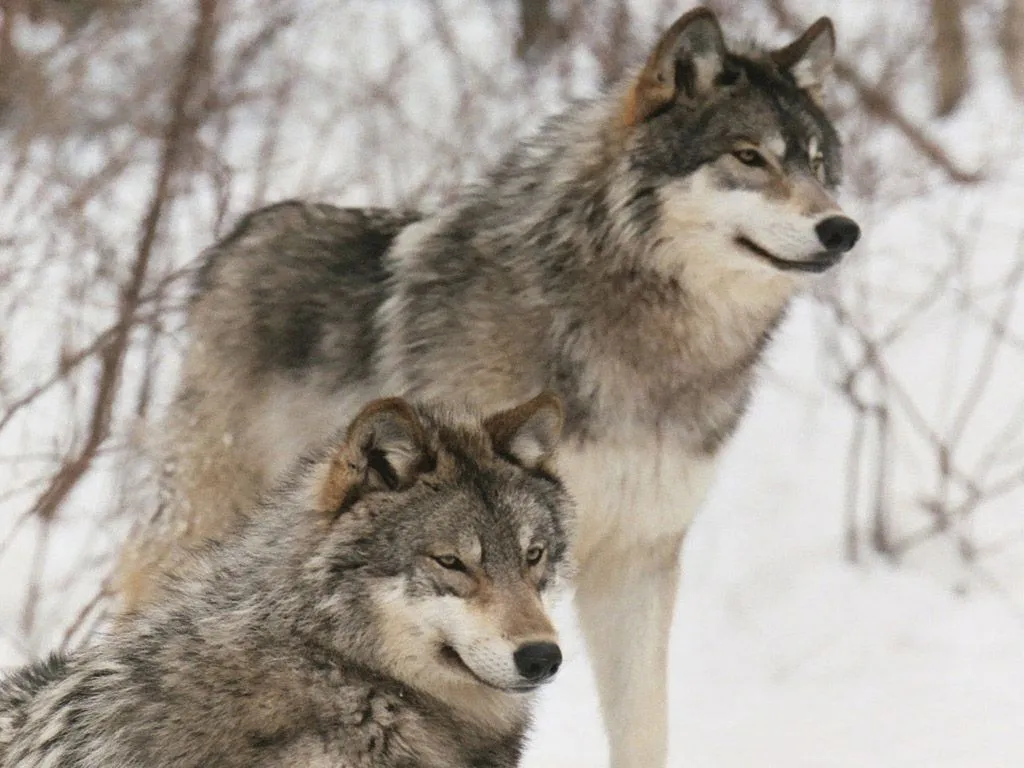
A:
784,655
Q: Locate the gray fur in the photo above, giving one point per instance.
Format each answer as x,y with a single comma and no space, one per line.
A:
634,256
271,647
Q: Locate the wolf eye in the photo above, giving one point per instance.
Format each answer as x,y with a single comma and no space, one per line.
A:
451,562
750,157
533,555
818,167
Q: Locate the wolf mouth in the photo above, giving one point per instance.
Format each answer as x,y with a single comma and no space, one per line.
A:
821,262
449,654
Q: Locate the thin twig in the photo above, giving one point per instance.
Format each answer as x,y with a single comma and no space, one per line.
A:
182,125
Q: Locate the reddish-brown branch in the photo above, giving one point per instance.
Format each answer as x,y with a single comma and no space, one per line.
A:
949,51
881,106
183,123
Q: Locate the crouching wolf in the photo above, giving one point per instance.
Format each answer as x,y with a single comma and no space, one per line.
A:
385,608
634,256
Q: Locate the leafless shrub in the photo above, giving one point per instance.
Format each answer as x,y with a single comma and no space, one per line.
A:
1011,41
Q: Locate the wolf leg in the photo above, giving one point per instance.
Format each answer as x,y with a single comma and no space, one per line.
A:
625,600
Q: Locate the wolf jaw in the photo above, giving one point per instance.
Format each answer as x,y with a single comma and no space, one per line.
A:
826,259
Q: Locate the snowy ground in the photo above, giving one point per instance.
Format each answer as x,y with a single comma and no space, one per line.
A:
784,656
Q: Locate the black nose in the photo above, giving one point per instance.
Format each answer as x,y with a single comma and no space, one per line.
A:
838,233
537,661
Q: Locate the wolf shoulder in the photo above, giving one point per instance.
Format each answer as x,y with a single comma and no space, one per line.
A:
17,690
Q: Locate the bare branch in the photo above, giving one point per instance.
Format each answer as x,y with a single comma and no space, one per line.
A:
182,124
1011,40
950,54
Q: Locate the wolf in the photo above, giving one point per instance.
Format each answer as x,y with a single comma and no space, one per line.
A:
634,256
387,607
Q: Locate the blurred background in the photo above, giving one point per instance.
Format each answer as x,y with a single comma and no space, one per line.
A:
853,593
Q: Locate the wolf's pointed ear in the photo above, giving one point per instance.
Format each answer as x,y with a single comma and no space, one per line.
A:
529,433
385,448
808,59
686,61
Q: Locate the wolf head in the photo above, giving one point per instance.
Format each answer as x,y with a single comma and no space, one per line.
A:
743,159
456,530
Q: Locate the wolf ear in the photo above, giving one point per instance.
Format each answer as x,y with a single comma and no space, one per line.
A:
686,61
529,433
385,448
808,59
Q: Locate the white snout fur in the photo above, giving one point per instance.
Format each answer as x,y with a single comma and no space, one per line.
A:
705,220
476,639
414,629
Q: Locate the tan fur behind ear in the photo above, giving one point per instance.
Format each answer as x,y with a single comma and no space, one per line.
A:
337,477
645,97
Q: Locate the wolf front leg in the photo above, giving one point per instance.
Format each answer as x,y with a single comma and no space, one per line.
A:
625,599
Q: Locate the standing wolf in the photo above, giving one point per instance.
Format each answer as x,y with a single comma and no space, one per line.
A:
385,609
634,256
